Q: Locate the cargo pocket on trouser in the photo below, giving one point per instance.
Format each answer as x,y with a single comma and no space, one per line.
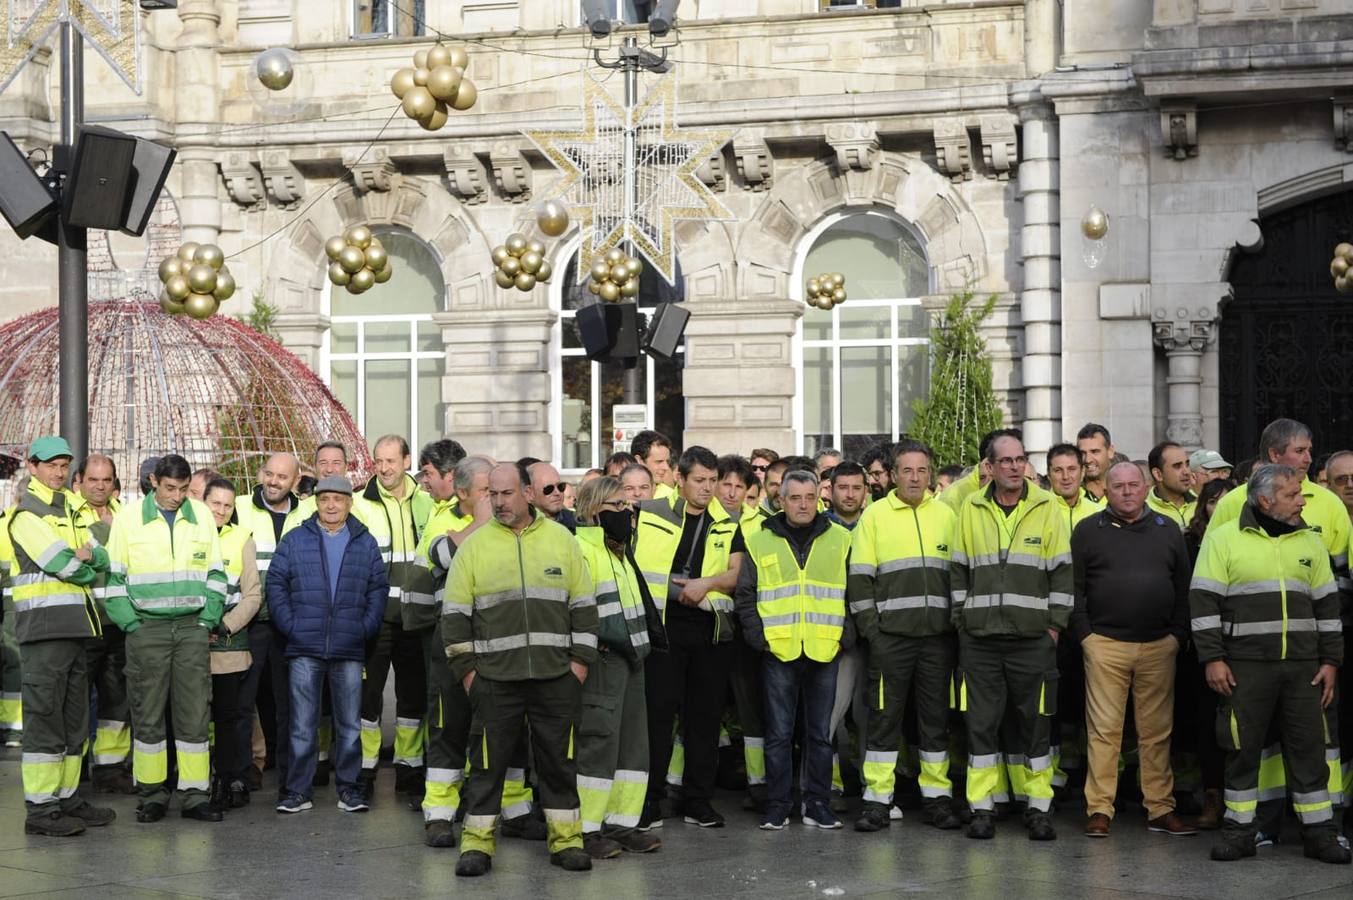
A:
1228,727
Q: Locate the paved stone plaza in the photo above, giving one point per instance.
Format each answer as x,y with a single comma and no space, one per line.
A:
325,853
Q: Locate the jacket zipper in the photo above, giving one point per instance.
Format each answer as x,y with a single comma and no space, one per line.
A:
333,597
1282,592
525,606
925,568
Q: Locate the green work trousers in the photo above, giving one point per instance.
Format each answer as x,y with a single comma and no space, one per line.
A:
167,662
107,657
56,709
612,746
11,675
897,666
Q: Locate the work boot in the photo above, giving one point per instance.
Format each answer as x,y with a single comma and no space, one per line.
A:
216,794
572,859
150,812
203,812
982,827
237,795
940,813
473,863
1213,811
93,816
873,817
439,833
1233,847
113,780
527,828
54,824
631,840
1040,827
1324,845
600,847
837,802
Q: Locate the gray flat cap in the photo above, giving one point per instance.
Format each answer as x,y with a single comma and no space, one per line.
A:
336,484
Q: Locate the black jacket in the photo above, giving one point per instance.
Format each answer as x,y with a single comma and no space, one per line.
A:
1131,579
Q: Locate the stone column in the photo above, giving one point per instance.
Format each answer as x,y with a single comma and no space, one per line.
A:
497,383
198,99
739,378
1041,298
1184,333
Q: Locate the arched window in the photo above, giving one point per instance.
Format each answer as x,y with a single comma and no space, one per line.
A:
385,355
586,392
863,363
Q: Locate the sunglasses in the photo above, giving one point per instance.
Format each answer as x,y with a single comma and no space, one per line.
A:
760,468
551,488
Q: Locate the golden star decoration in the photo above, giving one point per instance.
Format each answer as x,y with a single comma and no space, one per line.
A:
111,27
666,190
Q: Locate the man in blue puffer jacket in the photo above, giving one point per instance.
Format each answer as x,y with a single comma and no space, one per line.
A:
327,588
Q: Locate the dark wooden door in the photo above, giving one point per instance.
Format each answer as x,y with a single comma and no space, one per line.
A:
1286,342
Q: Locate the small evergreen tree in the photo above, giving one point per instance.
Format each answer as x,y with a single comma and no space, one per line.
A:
962,405
262,317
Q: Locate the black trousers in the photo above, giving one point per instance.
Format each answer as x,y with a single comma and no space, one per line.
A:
401,650
267,645
234,723
692,679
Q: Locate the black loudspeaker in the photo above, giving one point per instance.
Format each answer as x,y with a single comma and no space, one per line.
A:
150,168
24,199
609,331
101,178
665,331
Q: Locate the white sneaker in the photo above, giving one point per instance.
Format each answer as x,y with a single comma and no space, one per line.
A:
894,813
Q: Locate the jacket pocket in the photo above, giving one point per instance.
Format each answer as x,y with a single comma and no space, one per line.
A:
39,696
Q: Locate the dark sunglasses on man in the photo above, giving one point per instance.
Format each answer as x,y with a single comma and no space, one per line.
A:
551,488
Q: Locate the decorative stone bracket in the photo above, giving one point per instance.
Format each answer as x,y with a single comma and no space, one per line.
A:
953,149
756,166
511,172
243,180
1000,148
465,173
712,173
376,171
856,144
1179,129
281,179
1343,123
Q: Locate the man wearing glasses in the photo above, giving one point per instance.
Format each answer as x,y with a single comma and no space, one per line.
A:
1011,582
547,495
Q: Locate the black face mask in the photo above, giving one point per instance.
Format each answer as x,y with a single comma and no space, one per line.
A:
617,524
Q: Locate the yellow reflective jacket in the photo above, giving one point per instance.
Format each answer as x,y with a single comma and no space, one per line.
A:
156,572
433,560
621,625
397,526
253,515
52,599
657,540
899,567
1180,515
797,603
1085,507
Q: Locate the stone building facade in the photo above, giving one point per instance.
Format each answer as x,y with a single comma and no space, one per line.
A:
924,149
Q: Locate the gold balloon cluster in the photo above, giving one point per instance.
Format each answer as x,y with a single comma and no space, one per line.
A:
615,275
436,81
196,281
519,263
826,290
359,262
1341,268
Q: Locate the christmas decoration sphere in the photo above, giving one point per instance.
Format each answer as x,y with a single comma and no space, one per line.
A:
515,244
351,259
419,103
363,280
525,281
438,118
552,218
274,70
535,247
614,255
333,247
444,82
459,58
1095,223
530,262
187,251
630,288
376,257
608,291
358,236
466,95
176,286
338,275
502,279
511,266
545,271
225,286
402,82
211,255
200,306
499,254
201,278
170,305
620,274
634,266
169,267
383,275
439,55
601,270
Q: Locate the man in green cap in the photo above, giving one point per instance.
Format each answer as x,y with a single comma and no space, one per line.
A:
54,616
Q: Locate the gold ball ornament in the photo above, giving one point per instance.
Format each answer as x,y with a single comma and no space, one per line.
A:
614,255
376,257
466,95
169,267
402,82
170,305
225,286
358,236
502,279
339,275
515,244
823,302
620,274
274,70
421,76
384,275
211,255
438,118
200,306
499,254
838,296
1338,266
552,218
420,59
459,58
545,271
201,278
530,262
535,247
333,247
1343,284
351,259
813,287
630,288
419,103
1344,250
1095,223
601,270
525,281
440,55
511,266
176,286
187,251
444,82
363,280
593,287
634,266
608,291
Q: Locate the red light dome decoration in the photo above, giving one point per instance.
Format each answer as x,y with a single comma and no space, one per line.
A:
216,392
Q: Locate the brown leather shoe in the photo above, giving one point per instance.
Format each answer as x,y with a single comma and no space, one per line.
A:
1213,811
1171,824
1098,826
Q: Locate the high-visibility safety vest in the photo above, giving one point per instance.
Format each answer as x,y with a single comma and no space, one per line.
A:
252,515
1259,597
899,567
1011,575
519,606
422,601
52,599
802,608
753,519
156,572
397,526
1085,507
655,549
621,625
957,493
87,519
664,491
1180,515
233,540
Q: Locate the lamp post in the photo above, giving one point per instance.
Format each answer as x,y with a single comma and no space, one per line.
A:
72,265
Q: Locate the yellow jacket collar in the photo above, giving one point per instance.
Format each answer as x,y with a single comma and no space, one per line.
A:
896,502
149,511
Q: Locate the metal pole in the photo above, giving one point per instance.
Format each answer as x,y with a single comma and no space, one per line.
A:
72,285
629,57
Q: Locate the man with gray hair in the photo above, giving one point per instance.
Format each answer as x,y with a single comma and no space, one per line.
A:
1265,620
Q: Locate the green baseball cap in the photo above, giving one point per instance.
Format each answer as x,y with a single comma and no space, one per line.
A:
50,447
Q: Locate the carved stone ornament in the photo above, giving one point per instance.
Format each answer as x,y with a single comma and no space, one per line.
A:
712,173
243,179
465,175
856,144
756,166
511,172
1182,334
1000,148
376,171
953,151
281,179
1343,123
1179,129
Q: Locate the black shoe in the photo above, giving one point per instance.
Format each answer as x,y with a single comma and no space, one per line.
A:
982,827
93,816
473,863
321,778
150,812
1227,850
216,794
1325,847
237,795
873,817
651,817
439,833
203,812
526,828
253,779
54,824
699,812
113,780
1040,827
415,801
572,859
940,813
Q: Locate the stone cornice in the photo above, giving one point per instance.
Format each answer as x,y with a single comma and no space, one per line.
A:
1313,68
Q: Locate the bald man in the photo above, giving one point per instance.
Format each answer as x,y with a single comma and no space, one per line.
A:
546,494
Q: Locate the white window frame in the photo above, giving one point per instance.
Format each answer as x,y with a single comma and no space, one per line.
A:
835,343
393,8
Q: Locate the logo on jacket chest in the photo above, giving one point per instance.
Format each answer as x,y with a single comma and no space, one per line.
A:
554,572
941,548
1304,562
199,556
1033,542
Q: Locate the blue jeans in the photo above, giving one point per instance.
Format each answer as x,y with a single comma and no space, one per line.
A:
307,677
783,684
